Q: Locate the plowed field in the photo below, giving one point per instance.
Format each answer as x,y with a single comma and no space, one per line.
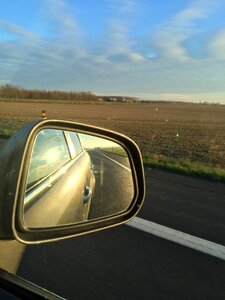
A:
195,132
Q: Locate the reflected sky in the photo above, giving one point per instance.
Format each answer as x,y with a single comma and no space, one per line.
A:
90,142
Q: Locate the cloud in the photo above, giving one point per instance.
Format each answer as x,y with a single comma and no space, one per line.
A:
64,55
137,57
14,29
60,12
117,61
26,54
171,36
197,9
118,41
119,44
33,58
124,7
217,45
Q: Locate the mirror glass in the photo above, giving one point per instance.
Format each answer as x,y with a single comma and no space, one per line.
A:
74,177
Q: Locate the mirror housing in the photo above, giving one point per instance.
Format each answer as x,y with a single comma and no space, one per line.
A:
15,156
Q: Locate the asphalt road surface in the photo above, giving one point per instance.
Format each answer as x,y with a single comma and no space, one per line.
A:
188,204
126,263
113,184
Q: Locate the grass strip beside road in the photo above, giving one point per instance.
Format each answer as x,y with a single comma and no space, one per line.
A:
186,167
8,127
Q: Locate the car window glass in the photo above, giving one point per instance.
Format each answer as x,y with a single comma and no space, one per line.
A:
49,153
75,143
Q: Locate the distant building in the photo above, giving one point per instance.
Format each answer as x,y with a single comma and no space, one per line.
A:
121,99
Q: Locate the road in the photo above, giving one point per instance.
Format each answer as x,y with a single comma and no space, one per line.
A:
188,204
112,177
126,263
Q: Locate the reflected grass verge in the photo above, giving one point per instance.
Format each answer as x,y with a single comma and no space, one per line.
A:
115,150
185,167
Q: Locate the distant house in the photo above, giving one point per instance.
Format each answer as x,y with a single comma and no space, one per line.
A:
113,99
120,99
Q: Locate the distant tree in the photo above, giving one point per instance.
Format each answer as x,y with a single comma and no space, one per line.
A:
9,91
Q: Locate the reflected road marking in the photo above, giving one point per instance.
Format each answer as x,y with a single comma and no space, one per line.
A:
116,162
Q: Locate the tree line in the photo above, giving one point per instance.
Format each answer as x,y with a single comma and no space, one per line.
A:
9,91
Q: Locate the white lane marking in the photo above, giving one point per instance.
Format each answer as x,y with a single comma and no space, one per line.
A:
101,173
126,168
179,237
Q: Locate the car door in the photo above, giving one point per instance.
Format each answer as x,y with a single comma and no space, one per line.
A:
57,164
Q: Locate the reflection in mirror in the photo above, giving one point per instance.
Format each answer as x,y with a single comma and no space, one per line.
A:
74,177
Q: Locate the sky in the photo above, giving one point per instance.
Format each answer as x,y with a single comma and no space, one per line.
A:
150,49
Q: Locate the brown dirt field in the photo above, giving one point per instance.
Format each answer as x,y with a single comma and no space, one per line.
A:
186,131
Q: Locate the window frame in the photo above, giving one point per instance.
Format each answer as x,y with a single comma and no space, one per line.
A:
71,145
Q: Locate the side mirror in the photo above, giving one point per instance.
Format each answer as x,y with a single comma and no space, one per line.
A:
61,179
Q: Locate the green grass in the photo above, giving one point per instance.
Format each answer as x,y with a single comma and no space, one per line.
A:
185,167
9,127
5,133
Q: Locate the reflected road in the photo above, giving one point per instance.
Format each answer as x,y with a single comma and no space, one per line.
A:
112,177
